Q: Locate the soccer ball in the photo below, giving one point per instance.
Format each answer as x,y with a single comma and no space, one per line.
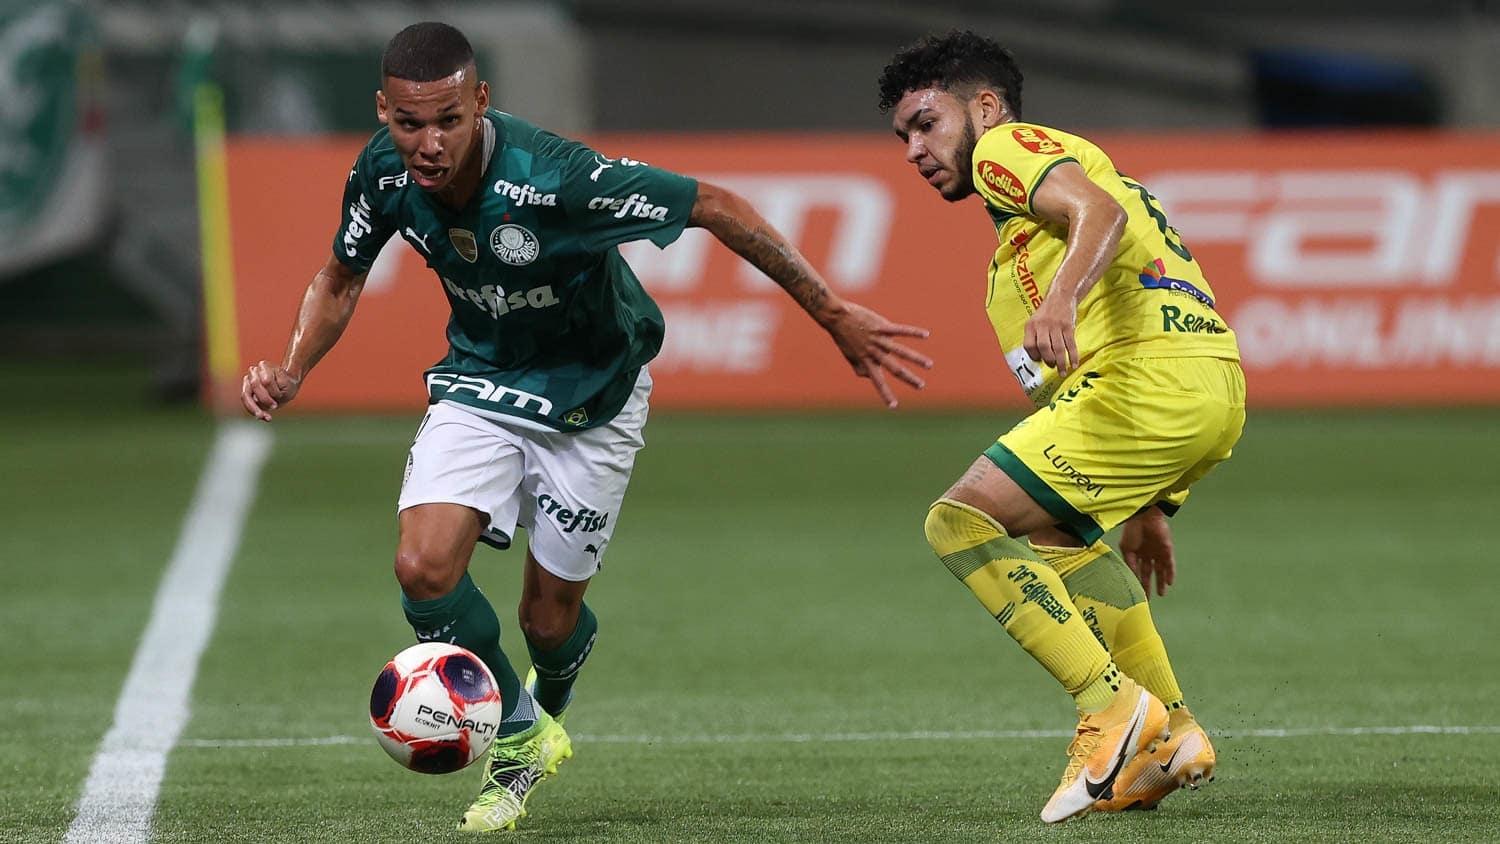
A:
435,708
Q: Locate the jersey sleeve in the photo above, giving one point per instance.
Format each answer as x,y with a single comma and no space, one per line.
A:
363,228
611,201
1010,162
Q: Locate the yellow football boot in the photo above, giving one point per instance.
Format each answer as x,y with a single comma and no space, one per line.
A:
1185,759
1133,724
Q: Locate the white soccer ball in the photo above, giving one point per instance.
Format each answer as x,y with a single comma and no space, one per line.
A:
435,708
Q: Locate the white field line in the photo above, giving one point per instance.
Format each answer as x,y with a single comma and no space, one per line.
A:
119,797
919,735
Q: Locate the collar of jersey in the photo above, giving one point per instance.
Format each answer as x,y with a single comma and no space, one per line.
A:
489,146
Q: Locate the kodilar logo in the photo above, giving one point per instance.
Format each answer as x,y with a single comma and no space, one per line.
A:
1002,181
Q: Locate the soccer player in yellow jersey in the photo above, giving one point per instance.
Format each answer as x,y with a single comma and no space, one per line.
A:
1109,326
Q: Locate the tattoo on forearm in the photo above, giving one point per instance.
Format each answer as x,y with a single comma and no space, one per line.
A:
771,254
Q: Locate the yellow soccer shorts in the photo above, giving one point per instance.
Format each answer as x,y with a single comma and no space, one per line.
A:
1125,434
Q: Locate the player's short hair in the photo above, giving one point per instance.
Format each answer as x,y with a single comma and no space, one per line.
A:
957,62
424,52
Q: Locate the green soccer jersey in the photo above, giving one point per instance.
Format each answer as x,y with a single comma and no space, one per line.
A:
549,325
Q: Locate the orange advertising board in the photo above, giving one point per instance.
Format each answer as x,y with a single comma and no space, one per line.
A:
1355,268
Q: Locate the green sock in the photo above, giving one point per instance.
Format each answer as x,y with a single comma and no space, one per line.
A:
465,618
557,669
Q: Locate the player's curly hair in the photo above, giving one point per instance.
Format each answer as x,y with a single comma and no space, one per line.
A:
955,62
426,51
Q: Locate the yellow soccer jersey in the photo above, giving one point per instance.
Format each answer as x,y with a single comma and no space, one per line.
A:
1152,301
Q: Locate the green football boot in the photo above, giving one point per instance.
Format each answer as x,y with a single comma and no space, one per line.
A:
517,765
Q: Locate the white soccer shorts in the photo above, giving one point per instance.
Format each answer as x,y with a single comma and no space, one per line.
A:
564,488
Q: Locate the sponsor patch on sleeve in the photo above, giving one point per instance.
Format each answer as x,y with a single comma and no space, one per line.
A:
1002,181
1037,141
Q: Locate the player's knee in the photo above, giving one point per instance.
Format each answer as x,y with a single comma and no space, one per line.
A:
935,525
952,526
423,576
944,526
546,629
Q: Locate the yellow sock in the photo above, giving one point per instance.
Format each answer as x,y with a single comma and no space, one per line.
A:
1113,605
1141,654
1026,597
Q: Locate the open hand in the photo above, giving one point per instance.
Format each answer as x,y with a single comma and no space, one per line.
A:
1146,545
868,341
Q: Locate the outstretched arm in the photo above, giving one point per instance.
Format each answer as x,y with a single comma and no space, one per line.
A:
866,339
326,308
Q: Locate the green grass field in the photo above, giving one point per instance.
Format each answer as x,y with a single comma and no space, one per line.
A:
774,633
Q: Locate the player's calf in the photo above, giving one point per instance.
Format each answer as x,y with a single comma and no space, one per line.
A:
556,668
1024,595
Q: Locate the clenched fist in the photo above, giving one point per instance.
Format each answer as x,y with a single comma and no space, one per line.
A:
266,387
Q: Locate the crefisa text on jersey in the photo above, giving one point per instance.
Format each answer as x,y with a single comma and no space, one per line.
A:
494,300
635,205
524,194
359,225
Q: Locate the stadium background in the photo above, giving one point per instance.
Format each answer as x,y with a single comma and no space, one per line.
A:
1336,171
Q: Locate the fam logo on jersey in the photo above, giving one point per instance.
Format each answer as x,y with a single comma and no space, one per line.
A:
515,245
464,243
587,519
393,181
524,194
472,388
1002,181
635,205
1037,141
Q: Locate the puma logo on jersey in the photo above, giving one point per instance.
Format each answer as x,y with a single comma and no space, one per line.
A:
419,238
606,163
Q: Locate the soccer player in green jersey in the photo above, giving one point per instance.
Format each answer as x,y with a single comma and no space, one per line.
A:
537,411
1110,327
